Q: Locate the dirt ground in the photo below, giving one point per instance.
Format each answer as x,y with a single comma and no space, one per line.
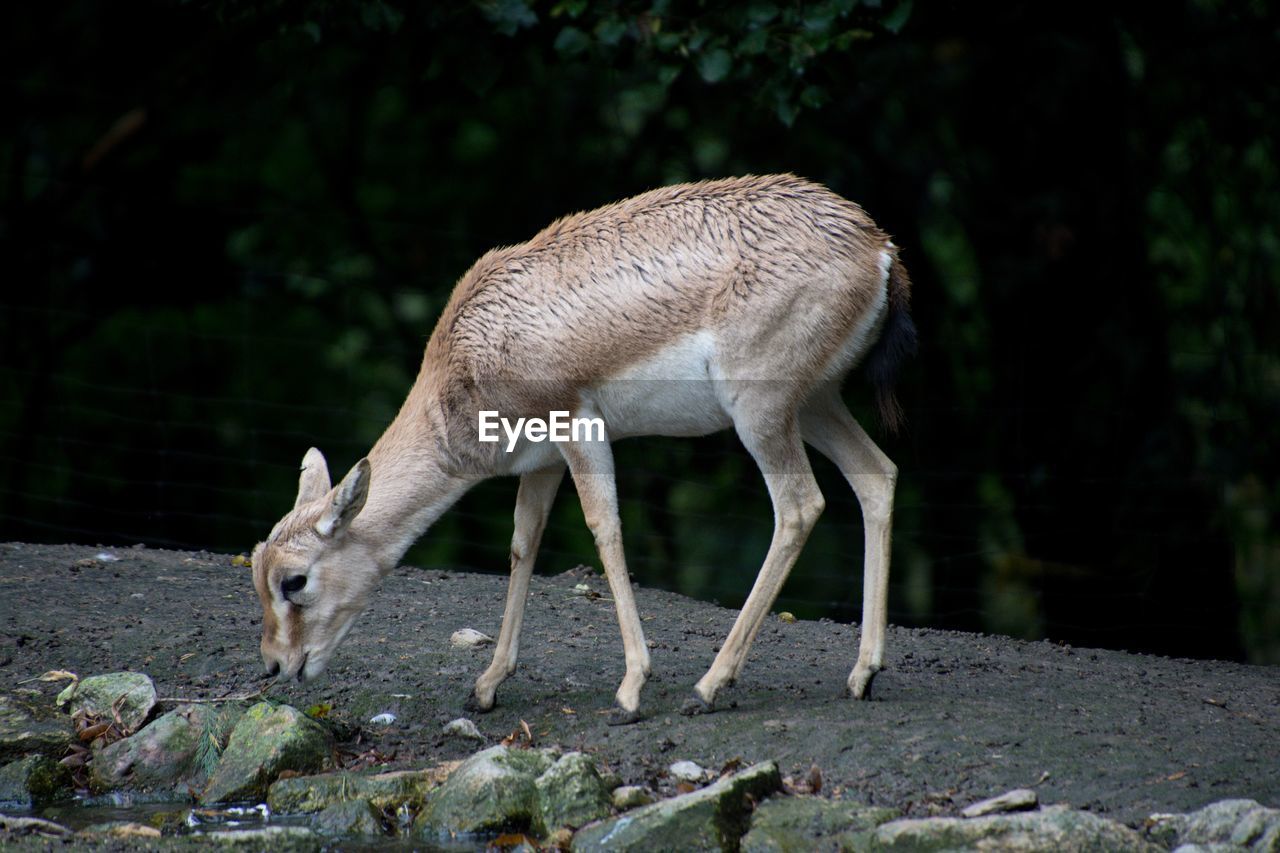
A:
955,717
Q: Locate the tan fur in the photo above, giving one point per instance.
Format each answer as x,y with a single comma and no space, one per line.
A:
740,302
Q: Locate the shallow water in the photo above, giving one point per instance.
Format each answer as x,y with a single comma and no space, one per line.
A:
83,812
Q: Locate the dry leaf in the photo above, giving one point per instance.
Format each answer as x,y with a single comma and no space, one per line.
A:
58,675
91,732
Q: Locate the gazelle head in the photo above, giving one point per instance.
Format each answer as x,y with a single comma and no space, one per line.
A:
313,574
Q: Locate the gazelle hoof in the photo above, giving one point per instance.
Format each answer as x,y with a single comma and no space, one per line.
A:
860,683
620,716
695,705
473,705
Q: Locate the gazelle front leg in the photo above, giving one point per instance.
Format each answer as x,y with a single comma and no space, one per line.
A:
533,505
775,444
591,465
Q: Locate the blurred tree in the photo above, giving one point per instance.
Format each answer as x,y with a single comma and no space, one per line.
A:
228,228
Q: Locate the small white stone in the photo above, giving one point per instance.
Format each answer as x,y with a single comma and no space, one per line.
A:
106,557
1017,800
630,797
384,719
469,637
686,771
464,728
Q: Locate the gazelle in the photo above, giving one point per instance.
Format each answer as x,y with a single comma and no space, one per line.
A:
735,303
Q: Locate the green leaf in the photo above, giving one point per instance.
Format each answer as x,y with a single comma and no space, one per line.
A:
666,42
507,16
761,13
714,65
572,41
611,30
754,43
312,29
897,19
377,16
667,74
572,8
819,18
814,97
784,105
847,38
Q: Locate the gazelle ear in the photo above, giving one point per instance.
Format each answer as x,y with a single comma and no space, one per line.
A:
346,502
313,483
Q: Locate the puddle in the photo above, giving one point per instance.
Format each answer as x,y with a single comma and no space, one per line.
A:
184,819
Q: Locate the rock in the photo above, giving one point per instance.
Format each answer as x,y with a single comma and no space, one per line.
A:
571,793
33,781
176,751
1058,828
686,771
798,824
119,829
27,729
266,741
386,791
467,638
713,818
353,817
493,790
463,728
270,839
1238,824
560,839
129,694
386,718
10,825
1017,800
631,797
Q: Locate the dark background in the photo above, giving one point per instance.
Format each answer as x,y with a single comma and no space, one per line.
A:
227,228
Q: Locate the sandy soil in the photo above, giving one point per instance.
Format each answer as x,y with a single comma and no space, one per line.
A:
955,718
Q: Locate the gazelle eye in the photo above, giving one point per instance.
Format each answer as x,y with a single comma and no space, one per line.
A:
293,583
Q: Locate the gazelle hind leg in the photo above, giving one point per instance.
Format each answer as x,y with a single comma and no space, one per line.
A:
827,425
591,465
797,503
533,504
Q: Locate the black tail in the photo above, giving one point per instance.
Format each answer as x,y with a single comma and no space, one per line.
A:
897,343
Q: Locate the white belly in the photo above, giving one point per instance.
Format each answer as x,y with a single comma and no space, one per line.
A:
673,392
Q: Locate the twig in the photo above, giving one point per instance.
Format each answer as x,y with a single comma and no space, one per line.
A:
238,697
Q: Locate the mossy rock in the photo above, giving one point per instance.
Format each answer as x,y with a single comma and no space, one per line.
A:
33,781
491,791
129,694
1058,828
714,818
266,741
385,790
350,818
571,793
176,752
1237,824
28,728
801,824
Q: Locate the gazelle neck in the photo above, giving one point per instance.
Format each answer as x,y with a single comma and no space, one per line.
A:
408,488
